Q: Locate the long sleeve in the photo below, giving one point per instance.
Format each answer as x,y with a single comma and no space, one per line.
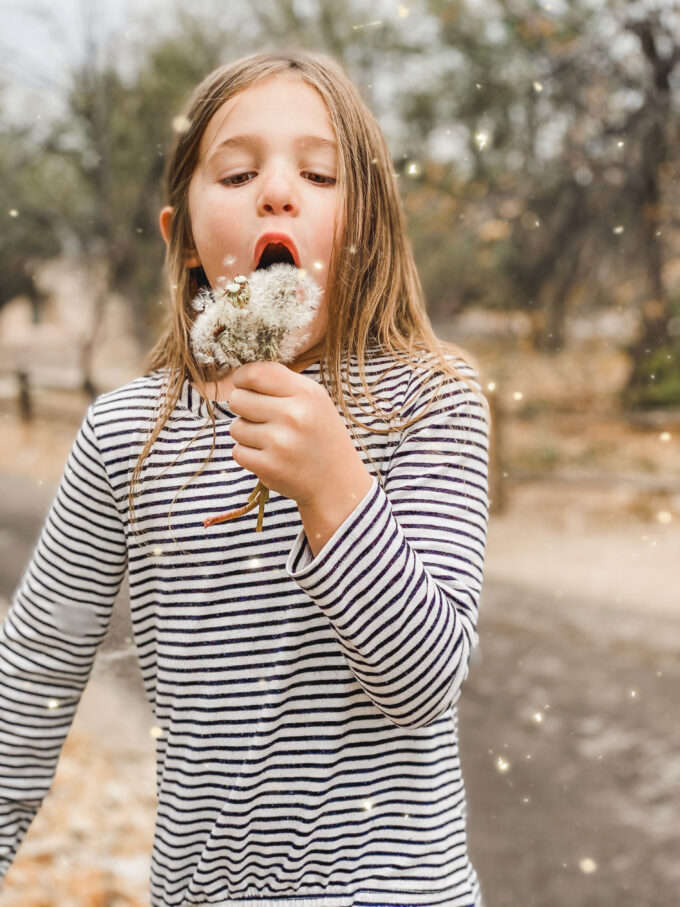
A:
59,615
400,579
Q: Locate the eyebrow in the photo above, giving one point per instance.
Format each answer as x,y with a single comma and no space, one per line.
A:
239,141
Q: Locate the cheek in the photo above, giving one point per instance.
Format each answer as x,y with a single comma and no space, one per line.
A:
206,210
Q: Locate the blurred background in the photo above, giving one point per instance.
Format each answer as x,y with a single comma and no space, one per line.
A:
536,147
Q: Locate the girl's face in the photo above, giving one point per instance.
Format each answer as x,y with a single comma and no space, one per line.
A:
267,163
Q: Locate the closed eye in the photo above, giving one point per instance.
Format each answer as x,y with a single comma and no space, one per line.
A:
229,180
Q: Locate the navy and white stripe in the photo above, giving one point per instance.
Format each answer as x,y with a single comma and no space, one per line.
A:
307,704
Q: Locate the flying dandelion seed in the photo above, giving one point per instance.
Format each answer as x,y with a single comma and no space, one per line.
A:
502,765
413,169
665,436
403,11
633,694
620,144
663,516
180,124
156,732
538,86
228,260
52,704
367,24
482,138
368,805
587,865
491,386
618,229
538,717
13,212
158,551
517,395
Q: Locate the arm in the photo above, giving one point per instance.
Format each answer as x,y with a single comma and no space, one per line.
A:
59,615
400,577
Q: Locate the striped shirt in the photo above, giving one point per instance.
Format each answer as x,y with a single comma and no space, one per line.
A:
308,748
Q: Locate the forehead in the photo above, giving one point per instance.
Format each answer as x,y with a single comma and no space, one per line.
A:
277,106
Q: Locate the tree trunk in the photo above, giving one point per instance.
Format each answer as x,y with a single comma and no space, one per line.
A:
655,309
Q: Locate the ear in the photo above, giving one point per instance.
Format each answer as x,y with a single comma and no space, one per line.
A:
191,259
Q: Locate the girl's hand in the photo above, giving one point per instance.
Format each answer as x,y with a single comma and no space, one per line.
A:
288,431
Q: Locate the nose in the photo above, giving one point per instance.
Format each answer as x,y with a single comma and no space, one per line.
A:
277,191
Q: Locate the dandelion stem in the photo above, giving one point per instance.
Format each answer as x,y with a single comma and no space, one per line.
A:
257,497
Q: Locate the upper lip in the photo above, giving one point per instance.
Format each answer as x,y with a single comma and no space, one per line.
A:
282,238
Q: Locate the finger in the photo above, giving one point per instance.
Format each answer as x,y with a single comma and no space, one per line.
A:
247,457
265,377
251,405
248,434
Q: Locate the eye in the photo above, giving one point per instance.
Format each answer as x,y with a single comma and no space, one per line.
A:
228,180
329,179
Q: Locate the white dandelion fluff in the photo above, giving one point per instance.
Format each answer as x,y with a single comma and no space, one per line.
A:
255,317
250,319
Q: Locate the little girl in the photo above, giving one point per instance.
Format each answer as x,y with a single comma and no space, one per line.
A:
304,677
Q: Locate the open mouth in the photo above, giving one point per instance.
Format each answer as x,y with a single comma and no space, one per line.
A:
275,253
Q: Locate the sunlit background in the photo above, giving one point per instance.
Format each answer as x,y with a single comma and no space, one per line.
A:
536,148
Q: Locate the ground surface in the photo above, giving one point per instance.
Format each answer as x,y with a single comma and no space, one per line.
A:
568,720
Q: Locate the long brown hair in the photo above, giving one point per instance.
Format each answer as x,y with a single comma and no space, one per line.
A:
374,295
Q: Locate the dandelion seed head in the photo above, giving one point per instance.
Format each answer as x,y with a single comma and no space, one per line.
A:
253,318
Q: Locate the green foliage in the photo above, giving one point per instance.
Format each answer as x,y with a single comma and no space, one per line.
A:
659,384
